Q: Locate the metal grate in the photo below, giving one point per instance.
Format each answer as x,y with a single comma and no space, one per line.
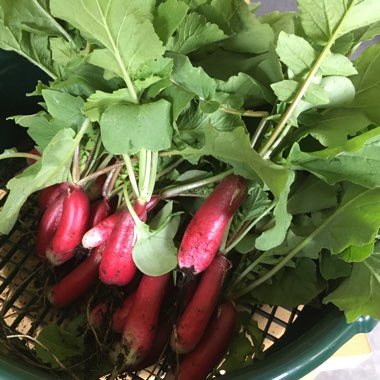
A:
24,309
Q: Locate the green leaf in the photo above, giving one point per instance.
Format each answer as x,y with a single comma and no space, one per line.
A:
252,92
339,90
40,129
359,295
168,17
332,267
123,28
292,286
154,252
276,235
310,195
234,148
357,161
193,33
53,167
356,253
337,64
64,345
65,108
321,20
285,90
126,129
295,52
99,101
192,79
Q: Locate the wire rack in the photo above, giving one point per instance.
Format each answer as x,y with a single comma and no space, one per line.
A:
25,310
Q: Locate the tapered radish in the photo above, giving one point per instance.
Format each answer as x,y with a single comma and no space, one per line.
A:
75,284
141,324
51,193
120,315
98,315
117,266
200,362
205,231
100,233
48,225
99,210
193,322
71,228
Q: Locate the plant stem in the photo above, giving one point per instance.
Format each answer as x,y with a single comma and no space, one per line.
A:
293,252
131,174
153,175
248,113
173,191
130,208
259,130
241,235
100,172
145,187
169,168
302,90
21,155
76,167
110,182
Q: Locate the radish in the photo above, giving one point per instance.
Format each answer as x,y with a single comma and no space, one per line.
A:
200,362
49,194
48,225
193,322
78,281
94,191
31,161
98,315
141,324
205,231
120,315
99,210
71,228
100,233
117,266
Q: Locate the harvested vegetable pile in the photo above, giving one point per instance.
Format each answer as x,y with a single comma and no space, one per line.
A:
191,159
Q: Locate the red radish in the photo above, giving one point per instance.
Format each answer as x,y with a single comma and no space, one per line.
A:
100,233
160,342
117,266
205,231
48,225
200,362
120,315
51,193
98,315
141,324
193,322
71,228
99,210
81,279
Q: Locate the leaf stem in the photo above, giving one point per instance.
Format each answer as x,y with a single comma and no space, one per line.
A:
241,235
76,165
169,168
153,175
175,190
100,172
131,174
248,113
20,155
259,130
302,90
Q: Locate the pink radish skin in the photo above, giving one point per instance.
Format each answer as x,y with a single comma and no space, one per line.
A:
193,322
94,191
49,194
160,342
141,324
120,315
199,363
117,266
98,315
48,225
71,228
100,233
99,210
78,282
205,231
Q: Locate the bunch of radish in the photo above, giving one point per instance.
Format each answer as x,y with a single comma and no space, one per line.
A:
199,328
